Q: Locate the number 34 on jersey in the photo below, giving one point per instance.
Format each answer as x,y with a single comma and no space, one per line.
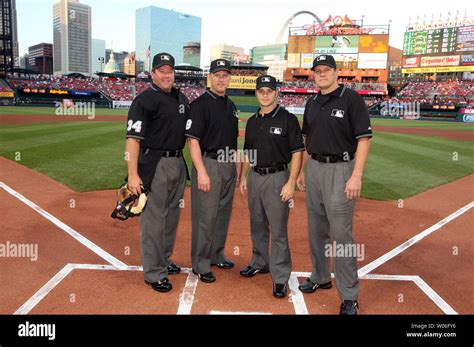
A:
137,126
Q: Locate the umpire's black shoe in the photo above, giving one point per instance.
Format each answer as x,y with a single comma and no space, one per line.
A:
162,286
349,307
310,287
279,290
226,264
251,271
173,269
206,278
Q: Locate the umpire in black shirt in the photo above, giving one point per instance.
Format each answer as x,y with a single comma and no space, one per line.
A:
337,128
155,140
212,131
272,139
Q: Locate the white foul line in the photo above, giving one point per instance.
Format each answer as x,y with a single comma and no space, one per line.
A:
186,299
296,295
83,240
237,313
396,251
187,295
40,294
438,300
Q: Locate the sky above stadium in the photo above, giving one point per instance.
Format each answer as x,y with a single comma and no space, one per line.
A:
242,23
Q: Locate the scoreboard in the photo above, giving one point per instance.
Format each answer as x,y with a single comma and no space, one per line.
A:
431,41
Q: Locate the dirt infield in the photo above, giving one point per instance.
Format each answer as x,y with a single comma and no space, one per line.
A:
76,228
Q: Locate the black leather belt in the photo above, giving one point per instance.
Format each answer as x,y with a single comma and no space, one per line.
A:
331,158
166,154
210,155
269,170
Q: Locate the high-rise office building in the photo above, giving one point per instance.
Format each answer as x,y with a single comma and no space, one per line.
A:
223,51
160,30
98,58
8,37
71,37
274,56
41,58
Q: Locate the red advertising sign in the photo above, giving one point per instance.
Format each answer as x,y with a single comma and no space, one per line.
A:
447,60
411,62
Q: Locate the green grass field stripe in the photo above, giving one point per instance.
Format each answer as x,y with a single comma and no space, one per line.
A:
383,169
18,128
427,165
105,167
23,141
423,124
52,111
437,151
58,128
372,189
426,140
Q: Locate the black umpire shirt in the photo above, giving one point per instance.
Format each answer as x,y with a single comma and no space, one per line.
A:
214,121
274,137
333,123
158,119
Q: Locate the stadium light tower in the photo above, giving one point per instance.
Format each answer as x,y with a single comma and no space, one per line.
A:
101,59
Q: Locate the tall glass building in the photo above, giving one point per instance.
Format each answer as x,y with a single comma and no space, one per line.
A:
71,37
166,31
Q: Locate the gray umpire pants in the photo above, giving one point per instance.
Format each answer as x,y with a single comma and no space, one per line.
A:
159,220
269,215
211,214
330,216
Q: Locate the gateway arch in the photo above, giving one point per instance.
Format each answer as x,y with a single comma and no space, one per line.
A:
283,28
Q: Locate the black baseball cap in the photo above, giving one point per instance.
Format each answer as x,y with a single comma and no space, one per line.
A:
266,81
324,59
220,65
162,59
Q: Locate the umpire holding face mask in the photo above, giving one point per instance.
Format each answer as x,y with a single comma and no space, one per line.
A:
155,140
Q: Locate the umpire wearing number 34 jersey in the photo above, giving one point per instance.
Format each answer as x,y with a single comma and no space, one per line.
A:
155,140
272,139
337,128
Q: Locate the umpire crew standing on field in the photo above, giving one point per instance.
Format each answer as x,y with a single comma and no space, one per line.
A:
212,130
155,140
273,138
337,128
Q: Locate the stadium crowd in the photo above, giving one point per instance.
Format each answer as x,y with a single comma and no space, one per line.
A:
449,93
114,89
351,84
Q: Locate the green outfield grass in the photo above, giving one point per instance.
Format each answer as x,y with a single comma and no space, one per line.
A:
21,110
423,124
245,100
89,156
31,110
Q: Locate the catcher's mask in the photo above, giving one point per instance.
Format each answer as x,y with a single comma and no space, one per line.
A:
126,201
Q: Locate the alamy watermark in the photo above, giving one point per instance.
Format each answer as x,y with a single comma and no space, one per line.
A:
70,108
400,109
339,250
19,250
237,156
